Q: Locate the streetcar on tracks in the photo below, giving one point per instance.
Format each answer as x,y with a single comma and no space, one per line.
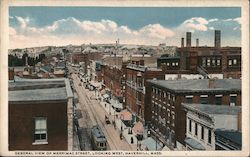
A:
98,139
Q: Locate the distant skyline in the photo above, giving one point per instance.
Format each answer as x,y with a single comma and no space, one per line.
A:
56,26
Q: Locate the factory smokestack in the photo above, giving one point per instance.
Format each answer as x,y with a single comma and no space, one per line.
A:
182,42
197,42
188,38
217,35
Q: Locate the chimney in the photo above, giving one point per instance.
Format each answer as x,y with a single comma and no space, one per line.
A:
211,83
188,38
182,42
217,35
197,42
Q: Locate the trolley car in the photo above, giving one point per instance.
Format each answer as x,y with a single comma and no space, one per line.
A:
98,139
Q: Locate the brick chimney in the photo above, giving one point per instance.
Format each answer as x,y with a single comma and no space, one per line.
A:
197,42
182,42
188,38
211,83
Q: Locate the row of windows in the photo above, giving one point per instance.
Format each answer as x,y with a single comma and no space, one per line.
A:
211,62
233,62
218,99
209,136
173,64
158,93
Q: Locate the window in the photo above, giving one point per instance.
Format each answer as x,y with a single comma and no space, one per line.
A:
208,62
204,62
40,134
196,129
173,97
167,64
176,63
229,62
235,61
190,126
202,132
189,99
218,99
204,99
209,136
218,62
233,99
213,63
101,144
173,64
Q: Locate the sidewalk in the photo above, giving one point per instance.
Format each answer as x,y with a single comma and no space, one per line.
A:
110,112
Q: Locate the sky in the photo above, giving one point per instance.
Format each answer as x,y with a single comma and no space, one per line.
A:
56,26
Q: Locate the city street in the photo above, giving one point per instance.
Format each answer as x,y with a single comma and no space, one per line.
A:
92,114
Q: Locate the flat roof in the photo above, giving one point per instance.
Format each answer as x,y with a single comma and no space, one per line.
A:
142,68
49,94
211,109
230,135
199,85
37,90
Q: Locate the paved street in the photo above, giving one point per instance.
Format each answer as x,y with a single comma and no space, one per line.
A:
92,114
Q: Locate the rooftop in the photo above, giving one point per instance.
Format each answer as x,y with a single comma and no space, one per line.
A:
142,68
200,85
37,90
213,109
230,135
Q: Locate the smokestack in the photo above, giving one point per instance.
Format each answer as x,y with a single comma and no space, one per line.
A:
197,42
182,42
188,38
217,38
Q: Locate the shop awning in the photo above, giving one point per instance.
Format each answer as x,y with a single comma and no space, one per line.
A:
103,92
95,84
125,115
138,128
116,104
105,96
194,144
150,144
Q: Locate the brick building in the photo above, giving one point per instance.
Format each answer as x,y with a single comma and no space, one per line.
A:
77,57
164,98
136,77
204,60
40,115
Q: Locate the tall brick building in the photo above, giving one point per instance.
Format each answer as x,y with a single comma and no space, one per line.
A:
164,98
136,80
40,115
204,60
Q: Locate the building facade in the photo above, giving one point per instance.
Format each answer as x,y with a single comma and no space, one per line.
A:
205,121
164,98
33,124
136,80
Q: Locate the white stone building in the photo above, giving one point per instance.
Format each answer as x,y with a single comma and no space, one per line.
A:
203,120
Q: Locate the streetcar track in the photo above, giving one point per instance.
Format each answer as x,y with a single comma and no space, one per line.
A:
88,103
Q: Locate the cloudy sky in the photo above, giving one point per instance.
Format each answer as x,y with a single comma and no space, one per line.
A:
41,26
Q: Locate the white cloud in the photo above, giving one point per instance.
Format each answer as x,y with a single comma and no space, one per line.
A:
195,23
213,20
73,31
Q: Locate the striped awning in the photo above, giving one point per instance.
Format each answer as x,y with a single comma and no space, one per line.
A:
125,115
138,128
